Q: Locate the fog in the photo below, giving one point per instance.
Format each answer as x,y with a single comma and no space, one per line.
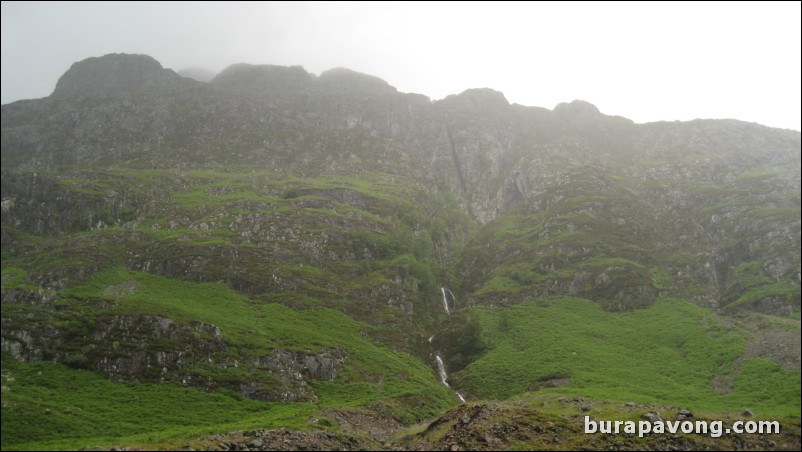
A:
647,62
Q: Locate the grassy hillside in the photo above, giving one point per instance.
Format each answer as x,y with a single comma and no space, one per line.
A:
51,406
151,308
623,241
204,289
668,353
82,408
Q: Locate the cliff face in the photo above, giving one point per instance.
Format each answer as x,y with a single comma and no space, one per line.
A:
704,185
338,190
127,111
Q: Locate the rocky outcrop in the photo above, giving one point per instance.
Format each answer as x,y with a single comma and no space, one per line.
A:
149,348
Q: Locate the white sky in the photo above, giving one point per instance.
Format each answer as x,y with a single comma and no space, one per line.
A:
646,62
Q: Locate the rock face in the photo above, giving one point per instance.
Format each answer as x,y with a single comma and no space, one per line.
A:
703,184
147,348
492,153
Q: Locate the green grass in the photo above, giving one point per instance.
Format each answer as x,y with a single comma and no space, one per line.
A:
499,285
371,373
16,278
51,406
763,384
244,322
783,291
660,279
393,238
667,353
389,215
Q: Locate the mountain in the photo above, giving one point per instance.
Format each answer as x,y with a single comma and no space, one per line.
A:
293,250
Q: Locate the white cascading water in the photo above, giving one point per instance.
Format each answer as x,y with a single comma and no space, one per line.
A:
441,369
445,301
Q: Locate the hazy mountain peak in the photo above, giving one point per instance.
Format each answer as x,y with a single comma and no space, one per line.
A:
263,79
348,79
246,71
112,72
577,108
485,97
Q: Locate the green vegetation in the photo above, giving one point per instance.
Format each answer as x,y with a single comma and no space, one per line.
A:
314,261
17,278
352,266
667,353
49,406
499,285
782,291
460,340
372,373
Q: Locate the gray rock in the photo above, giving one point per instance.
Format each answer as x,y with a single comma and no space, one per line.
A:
651,417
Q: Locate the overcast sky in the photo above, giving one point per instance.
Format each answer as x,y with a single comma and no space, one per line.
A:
646,62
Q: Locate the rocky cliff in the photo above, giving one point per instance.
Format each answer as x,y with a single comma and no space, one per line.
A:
728,190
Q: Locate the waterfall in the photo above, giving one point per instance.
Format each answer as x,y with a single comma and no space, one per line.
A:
441,369
445,301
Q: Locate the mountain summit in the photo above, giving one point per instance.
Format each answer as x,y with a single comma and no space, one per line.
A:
113,73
